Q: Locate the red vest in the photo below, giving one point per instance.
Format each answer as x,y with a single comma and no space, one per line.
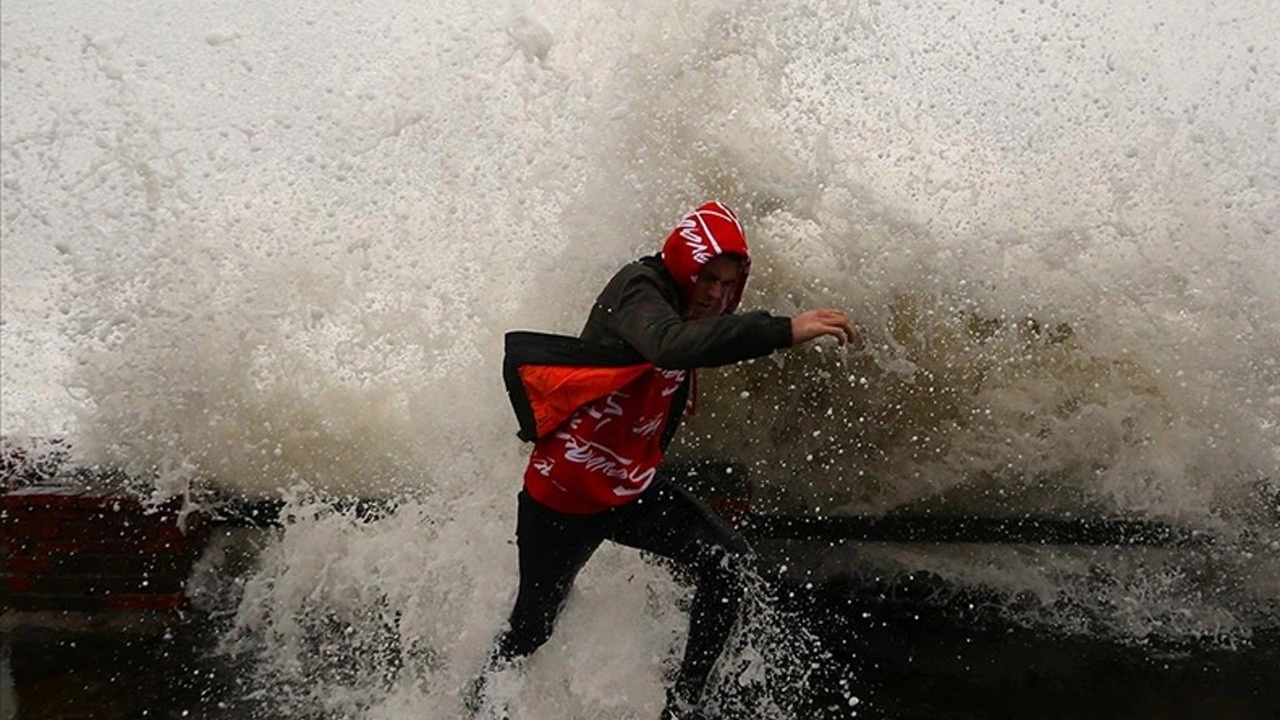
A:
607,451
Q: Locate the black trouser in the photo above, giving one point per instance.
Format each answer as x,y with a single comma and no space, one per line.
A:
665,520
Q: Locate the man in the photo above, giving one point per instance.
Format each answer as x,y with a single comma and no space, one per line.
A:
601,408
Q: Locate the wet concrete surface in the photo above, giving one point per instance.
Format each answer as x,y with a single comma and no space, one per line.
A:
910,668
926,669
133,665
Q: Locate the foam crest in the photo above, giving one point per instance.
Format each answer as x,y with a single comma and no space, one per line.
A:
280,245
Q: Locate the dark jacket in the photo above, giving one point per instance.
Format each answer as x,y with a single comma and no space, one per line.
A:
637,322
642,309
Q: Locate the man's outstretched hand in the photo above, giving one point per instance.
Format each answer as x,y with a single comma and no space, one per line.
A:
815,323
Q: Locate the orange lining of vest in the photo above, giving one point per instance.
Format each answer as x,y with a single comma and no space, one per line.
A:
555,391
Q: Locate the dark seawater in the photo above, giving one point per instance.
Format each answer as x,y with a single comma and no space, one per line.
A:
901,666
269,249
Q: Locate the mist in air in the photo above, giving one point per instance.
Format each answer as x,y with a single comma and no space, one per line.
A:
270,250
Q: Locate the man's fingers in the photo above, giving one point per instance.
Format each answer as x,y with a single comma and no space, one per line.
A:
835,330
849,332
846,332
825,321
838,325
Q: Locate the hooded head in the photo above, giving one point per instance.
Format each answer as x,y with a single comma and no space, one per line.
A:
708,232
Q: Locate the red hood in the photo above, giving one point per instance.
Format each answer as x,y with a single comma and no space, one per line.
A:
703,234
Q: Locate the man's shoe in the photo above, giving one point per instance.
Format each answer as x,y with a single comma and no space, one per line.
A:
473,695
678,709
476,703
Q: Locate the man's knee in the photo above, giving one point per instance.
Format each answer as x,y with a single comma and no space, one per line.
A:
739,552
727,564
735,551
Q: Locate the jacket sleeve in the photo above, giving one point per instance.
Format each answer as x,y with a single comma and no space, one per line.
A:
646,320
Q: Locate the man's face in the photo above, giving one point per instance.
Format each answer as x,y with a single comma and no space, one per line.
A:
718,278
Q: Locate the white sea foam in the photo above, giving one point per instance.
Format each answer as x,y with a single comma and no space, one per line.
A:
263,247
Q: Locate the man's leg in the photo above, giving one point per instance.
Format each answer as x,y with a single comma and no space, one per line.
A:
670,522
553,547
